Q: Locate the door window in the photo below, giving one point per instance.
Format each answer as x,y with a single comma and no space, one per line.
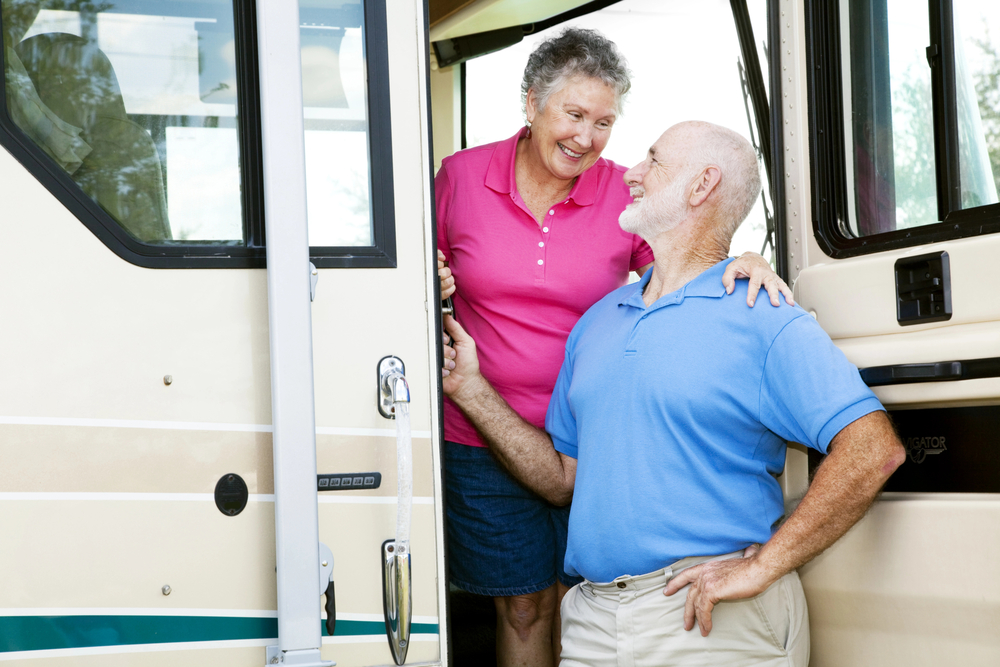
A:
142,116
126,101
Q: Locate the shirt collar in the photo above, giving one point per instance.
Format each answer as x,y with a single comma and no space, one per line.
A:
500,175
707,284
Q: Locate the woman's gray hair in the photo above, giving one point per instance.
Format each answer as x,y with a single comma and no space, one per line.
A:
575,52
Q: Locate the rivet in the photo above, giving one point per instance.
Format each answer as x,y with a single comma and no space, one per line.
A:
166,589
324,563
168,380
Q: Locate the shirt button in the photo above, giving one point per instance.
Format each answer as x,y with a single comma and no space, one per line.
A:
552,212
545,229
541,244
540,262
621,584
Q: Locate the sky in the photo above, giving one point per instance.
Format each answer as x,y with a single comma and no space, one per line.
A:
683,57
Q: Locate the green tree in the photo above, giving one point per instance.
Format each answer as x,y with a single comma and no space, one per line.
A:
913,151
987,81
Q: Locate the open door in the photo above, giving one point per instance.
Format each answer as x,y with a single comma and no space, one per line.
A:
190,422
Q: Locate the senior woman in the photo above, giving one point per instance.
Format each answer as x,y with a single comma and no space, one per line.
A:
529,229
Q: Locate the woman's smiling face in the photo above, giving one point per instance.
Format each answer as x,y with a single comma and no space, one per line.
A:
569,135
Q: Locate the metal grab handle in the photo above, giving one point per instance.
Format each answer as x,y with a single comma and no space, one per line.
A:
396,598
394,403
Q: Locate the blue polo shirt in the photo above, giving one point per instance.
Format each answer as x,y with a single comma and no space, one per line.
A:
678,415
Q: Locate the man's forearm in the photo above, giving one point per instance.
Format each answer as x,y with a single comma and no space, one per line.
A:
862,457
525,450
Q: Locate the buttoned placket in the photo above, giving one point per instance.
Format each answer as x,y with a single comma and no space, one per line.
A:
543,242
631,347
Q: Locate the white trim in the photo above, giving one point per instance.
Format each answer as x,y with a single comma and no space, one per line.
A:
107,495
193,426
372,500
156,611
195,497
368,639
372,432
140,611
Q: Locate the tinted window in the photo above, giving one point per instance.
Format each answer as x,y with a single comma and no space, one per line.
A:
142,117
336,123
136,103
905,121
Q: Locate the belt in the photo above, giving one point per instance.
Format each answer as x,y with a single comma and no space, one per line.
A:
659,578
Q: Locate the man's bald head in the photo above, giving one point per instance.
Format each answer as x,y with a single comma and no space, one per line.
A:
708,144
691,158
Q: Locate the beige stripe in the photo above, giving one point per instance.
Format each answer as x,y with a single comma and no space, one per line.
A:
129,460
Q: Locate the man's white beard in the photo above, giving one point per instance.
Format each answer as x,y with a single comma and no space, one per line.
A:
654,214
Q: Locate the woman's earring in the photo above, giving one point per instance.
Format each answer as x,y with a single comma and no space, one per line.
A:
528,134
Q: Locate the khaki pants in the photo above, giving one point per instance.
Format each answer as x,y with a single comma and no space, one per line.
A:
631,623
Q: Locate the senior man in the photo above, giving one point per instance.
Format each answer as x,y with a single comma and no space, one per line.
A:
670,417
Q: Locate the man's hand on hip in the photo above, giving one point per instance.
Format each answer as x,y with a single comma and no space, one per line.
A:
714,581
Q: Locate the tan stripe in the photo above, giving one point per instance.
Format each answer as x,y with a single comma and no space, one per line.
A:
129,460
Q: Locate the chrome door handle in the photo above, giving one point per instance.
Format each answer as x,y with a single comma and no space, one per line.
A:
394,403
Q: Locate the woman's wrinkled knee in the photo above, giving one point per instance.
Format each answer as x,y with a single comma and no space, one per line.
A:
525,612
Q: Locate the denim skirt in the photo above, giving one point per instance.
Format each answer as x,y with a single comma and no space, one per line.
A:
503,540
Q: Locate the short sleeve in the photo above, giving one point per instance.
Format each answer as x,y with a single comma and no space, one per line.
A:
559,420
809,390
443,190
642,254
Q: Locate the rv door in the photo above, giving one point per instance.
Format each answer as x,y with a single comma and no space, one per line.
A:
205,255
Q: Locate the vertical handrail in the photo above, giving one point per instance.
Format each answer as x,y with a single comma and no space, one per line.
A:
290,326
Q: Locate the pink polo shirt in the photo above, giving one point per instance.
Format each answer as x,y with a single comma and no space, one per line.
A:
521,286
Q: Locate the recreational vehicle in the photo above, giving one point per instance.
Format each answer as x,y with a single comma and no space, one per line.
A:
220,331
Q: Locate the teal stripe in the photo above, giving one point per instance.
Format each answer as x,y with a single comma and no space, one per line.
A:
35,633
